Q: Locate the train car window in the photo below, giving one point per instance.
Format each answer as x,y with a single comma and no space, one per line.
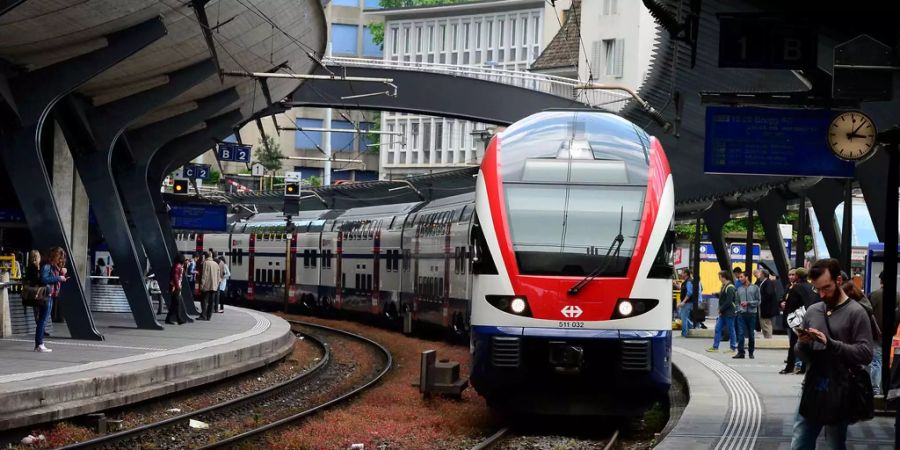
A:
305,258
369,279
356,286
314,257
258,276
482,261
277,277
664,264
241,256
270,275
467,212
343,279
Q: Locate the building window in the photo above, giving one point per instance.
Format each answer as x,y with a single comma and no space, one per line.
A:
370,48
614,56
350,3
395,40
419,38
406,40
414,129
610,7
308,140
342,142
439,135
426,138
343,39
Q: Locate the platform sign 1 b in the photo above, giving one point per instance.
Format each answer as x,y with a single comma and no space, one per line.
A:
766,42
770,141
229,151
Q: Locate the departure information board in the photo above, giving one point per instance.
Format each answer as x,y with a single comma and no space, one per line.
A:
199,217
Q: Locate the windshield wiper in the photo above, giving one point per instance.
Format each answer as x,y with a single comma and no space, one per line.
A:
616,244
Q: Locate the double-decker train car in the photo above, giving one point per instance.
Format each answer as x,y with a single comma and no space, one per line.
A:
557,266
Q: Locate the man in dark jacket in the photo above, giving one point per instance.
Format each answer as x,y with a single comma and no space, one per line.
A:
835,335
727,312
768,305
799,294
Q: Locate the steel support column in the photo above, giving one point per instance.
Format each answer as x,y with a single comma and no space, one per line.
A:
35,95
716,217
180,151
872,178
770,209
138,194
93,139
800,245
748,253
825,196
847,228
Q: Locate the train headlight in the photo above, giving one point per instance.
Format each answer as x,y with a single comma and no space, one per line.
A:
625,308
631,307
518,305
512,304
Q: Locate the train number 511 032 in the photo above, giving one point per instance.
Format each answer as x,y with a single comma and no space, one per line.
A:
571,324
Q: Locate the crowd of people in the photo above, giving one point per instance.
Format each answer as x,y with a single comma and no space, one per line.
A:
834,333
206,275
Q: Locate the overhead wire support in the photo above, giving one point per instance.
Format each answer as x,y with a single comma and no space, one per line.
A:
648,108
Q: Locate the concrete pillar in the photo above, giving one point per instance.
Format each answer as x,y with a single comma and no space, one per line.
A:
72,201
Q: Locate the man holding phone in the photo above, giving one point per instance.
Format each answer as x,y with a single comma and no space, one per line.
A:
835,333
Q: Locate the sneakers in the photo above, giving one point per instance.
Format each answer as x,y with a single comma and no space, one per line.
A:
738,356
42,349
712,350
751,356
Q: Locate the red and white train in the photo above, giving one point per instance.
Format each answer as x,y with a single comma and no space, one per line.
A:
558,266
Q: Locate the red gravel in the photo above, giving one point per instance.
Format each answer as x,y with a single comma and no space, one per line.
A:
394,415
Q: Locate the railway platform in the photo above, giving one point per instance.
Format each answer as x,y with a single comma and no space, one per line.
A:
747,404
131,365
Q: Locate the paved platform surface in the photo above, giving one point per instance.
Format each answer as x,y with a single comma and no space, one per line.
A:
131,365
746,403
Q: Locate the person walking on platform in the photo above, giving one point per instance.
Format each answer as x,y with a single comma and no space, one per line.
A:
210,277
836,339
53,274
32,277
768,302
726,312
226,274
799,294
748,301
688,301
176,307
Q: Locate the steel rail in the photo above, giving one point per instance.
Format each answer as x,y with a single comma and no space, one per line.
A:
389,361
494,439
136,431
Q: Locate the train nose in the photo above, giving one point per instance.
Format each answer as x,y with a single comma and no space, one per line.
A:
565,357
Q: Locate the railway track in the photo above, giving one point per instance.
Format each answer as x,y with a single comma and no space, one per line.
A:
507,438
258,412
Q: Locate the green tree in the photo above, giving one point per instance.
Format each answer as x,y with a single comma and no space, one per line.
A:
314,181
377,29
214,177
374,138
269,153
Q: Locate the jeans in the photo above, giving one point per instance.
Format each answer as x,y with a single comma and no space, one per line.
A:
43,315
875,369
792,360
721,322
746,327
685,313
806,433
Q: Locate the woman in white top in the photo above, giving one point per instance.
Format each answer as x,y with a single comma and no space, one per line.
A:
226,274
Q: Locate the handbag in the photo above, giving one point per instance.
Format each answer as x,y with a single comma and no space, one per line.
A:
34,295
834,393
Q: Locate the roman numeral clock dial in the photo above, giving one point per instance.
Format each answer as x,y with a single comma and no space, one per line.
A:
851,136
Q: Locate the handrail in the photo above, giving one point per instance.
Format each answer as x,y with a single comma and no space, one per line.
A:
551,84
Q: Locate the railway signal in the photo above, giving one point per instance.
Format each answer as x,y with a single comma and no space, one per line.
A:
180,187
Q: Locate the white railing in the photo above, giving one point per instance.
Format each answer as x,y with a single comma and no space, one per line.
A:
550,84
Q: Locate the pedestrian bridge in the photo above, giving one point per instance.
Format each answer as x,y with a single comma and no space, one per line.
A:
503,96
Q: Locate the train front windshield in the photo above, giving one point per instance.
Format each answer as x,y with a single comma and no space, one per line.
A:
574,184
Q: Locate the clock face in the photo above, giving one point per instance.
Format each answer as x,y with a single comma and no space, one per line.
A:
851,136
